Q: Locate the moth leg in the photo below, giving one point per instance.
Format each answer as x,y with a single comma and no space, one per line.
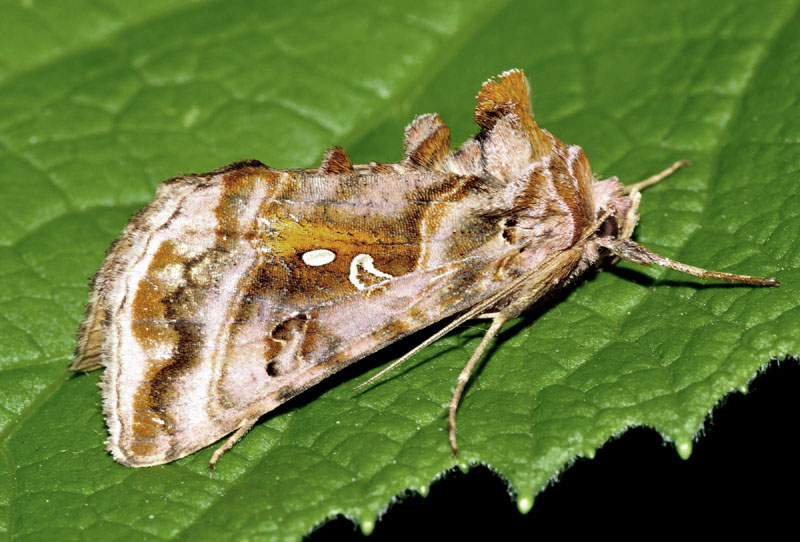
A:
631,219
635,196
466,372
233,439
488,315
658,177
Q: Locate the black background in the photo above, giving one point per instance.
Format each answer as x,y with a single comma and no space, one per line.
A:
742,474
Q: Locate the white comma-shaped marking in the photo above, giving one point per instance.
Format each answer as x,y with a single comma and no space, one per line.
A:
367,263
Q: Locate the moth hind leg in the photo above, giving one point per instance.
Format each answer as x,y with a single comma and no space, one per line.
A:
497,322
235,437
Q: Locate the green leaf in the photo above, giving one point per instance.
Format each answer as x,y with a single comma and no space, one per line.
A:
98,105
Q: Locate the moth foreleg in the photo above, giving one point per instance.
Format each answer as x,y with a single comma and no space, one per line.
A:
658,177
233,439
635,196
466,372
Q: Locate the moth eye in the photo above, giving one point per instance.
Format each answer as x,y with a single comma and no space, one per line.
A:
609,228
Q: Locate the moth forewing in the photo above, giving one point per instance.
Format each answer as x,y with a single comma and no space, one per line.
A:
235,290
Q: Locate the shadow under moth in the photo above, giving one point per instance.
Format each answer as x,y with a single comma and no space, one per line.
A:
233,291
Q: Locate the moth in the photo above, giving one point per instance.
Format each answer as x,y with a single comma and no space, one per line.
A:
233,291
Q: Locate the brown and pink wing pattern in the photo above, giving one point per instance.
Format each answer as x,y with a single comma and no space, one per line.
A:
218,316
236,290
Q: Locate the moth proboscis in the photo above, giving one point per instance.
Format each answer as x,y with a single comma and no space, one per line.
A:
235,290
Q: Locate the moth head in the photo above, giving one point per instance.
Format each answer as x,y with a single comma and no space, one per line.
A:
615,208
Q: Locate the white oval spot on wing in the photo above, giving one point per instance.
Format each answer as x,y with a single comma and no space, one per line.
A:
367,263
315,258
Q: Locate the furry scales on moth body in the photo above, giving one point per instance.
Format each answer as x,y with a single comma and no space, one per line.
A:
236,290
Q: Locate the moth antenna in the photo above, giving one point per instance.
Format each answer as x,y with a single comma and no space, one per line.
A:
658,177
433,338
636,253
466,372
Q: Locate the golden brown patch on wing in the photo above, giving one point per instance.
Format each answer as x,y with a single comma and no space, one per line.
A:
154,327
161,380
510,93
148,310
392,241
336,161
148,421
